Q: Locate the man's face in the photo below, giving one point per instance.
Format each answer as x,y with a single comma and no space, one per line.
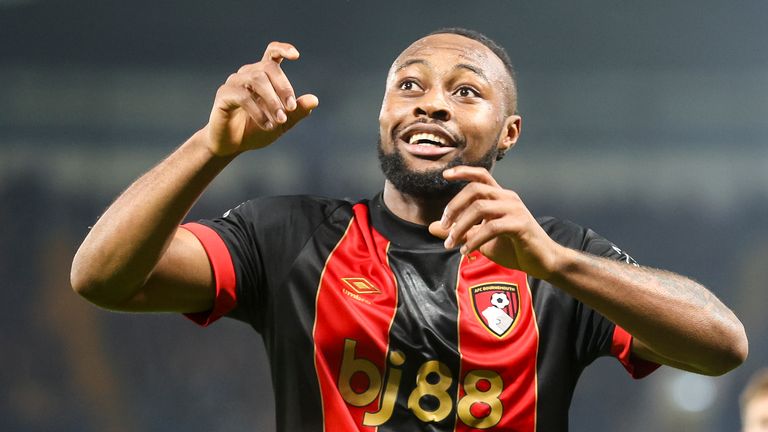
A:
445,104
756,414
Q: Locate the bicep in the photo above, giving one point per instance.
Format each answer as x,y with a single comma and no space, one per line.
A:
182,281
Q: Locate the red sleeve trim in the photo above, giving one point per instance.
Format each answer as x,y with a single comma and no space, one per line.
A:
621,348
223,273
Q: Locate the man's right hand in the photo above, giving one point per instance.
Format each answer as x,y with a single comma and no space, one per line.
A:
135,258
257,104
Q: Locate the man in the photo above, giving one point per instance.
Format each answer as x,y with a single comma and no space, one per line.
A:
371,320
754,403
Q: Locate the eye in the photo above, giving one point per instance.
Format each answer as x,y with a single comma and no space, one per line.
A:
466,91
409,85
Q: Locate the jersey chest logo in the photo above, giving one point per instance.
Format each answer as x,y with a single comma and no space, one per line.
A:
361,285
496,306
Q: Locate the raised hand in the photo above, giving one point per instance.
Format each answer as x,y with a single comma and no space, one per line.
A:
495,221
257,104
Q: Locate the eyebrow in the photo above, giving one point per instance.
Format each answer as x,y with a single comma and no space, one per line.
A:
412,62
474,69
477,71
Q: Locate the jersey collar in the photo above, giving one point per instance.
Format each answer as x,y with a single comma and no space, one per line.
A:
399,231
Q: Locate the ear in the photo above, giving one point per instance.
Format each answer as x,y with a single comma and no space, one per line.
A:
510,133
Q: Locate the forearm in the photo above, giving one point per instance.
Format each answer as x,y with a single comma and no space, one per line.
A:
126,243
673,316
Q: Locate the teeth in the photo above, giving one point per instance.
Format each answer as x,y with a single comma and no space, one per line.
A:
415,138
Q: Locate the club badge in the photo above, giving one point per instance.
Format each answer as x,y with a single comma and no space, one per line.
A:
496,305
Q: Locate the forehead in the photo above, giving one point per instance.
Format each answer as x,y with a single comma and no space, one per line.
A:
448,50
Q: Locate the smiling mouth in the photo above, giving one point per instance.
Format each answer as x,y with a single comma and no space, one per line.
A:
425,145
427,139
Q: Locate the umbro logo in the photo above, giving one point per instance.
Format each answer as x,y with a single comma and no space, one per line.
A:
359,288
361,285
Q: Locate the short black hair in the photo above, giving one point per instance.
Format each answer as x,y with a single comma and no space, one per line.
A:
497,49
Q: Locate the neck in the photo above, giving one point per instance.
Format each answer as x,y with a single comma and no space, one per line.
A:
418,210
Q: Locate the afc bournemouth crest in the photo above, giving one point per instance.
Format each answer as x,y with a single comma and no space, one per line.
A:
496,305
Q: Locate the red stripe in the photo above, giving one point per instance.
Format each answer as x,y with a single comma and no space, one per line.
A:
223,272
511,356
357,312
621,348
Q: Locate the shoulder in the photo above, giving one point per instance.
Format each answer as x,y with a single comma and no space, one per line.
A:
288,207
564,232
575,236
296,202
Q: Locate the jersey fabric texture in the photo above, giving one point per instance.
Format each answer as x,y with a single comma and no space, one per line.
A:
371,324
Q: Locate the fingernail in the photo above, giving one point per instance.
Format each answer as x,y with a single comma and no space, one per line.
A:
290,103
449,171
444,219
280,116
464,250
268,125
448,242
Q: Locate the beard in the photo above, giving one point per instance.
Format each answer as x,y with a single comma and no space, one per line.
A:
428,184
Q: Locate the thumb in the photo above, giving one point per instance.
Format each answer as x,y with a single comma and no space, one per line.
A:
304,105
437,230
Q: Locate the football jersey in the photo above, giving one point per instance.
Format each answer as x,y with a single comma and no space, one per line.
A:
370,324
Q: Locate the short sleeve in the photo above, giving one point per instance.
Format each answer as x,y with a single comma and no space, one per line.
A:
223,272
234,248
613,339
621,348
252,247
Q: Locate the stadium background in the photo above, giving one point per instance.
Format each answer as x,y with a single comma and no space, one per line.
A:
644,120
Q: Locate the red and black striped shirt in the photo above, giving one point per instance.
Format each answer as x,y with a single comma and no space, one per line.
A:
370,324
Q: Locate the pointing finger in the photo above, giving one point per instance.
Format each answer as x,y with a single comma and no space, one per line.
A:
470,174
277,51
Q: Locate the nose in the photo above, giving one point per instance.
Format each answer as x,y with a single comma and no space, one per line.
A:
434,106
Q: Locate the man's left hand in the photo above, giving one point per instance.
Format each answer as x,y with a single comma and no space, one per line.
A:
495,221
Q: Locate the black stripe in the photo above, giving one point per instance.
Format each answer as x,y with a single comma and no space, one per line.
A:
288,338
424,328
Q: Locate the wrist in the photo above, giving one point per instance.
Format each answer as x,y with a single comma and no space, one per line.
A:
562,263
200,143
